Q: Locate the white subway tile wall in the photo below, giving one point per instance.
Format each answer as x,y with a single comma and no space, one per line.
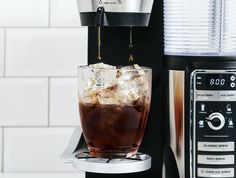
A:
63,102
42,175
64,14
1,136
31,13
45,52
24,102
41,45
35,149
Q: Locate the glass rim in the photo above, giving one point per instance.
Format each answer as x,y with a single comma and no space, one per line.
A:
86,67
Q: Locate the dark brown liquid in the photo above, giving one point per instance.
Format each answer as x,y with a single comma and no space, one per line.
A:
113,131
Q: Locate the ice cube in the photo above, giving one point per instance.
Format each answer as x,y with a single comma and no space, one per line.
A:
132,84
89,96
140,70
108,85
104,75
99,77
107,96
101,65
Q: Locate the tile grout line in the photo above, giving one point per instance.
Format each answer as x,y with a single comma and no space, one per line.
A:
49,13
42,77
49,100
2,167
4,52
44,27
34,126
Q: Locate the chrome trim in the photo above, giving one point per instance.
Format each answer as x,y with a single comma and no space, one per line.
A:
176,118
127,6
218,116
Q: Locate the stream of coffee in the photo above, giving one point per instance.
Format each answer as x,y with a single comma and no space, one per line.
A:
131,45
99,57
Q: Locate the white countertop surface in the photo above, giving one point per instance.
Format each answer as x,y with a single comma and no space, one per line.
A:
42,175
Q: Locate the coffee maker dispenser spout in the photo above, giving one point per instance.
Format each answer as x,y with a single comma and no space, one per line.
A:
100,16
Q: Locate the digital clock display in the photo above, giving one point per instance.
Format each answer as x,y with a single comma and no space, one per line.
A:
215,81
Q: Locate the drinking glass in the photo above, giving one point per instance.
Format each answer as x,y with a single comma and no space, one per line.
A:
114,105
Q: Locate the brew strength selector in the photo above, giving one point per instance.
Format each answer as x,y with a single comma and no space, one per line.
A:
213,105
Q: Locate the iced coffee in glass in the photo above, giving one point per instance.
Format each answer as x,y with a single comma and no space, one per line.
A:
114,103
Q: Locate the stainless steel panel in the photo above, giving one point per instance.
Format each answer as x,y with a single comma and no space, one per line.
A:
176,114
126,6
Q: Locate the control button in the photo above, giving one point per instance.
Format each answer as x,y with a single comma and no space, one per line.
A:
232,78
205,96
202,107
227,95
216,121
231,123
232,85
201,123
228,108
209,172
216,146
216,159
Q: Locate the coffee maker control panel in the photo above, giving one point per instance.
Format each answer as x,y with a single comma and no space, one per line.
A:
213,116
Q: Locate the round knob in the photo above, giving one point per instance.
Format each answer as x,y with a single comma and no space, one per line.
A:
216,121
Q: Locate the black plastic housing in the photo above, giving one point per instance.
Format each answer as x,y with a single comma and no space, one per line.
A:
114,19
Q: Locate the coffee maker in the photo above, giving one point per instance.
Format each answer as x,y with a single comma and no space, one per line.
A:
191,49
114,22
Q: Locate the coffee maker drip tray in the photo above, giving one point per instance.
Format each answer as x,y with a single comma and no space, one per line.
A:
77,154
84,162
